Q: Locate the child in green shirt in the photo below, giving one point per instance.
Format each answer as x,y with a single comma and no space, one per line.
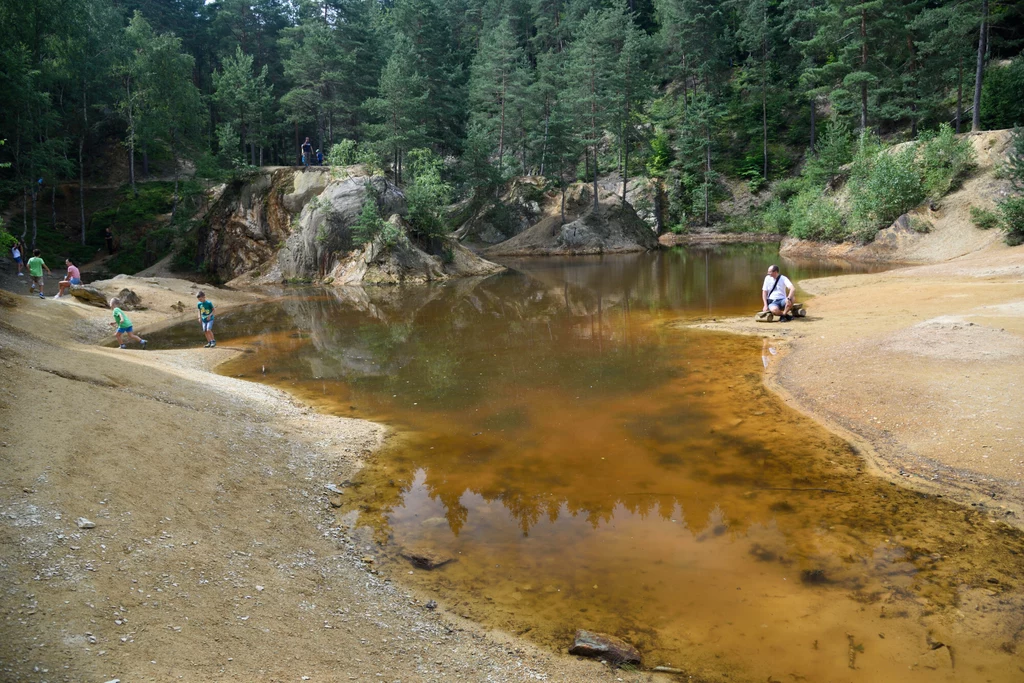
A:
35,272
124,326
206,318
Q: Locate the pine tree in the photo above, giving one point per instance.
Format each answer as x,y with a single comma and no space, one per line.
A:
497,85
243,97
400,106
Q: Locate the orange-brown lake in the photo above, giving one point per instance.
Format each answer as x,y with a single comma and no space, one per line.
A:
588,464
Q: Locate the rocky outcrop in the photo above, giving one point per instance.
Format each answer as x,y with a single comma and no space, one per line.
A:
612,228
296,225
89,295
322,237
247,223
609,648
494,220
400,261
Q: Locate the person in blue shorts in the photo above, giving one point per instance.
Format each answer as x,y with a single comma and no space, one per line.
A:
206,318
124,326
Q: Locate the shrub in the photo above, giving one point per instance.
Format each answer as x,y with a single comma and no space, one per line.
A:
944,161
883,185
342,153
835,149
984,219
815,217
776,218
1012,211
369,223
427,195
787,188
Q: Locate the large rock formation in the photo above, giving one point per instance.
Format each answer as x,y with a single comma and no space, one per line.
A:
288,225
613,227
490,221
381,262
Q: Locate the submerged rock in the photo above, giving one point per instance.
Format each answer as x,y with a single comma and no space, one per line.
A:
426,558
610,648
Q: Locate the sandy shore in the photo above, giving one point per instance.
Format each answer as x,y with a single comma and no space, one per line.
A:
922,368
215,554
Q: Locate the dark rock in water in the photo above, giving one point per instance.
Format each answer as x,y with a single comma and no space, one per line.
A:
615,650
425,558
89,295
814,576
130,301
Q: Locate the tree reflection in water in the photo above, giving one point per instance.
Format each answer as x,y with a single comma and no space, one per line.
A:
554,430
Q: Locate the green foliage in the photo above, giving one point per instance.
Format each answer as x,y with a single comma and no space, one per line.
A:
1011,211
343,153
1015,160
834,150
660,157
427,195
814,216
883,185
775,218
370,223
1001,102
944,161
984,219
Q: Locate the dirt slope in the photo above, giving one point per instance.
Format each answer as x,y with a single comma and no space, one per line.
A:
951,234
214,555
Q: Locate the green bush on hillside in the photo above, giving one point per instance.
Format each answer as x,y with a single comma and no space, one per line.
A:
944,161
1012,213
427,194
984,219
882,186
814,216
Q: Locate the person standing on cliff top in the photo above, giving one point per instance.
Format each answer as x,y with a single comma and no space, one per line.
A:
206,318
307,153
777,294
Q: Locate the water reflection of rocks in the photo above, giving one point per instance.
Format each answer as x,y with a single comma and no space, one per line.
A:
580,458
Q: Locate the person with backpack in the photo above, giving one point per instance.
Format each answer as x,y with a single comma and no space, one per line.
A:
777,294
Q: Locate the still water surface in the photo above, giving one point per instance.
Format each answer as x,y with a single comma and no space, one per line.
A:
590,464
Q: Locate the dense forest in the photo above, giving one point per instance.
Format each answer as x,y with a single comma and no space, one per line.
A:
682,92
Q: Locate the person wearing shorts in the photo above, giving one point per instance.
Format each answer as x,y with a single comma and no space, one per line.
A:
206,318
777,294
16,255
73,279
124,326
35,273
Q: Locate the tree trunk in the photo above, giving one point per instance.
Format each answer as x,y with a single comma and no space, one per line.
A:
863,68
53,207
814,116
501,130
145,163
174,199
980,71
544,145
960,93
35,225
913,83
764,85
707,177
131,140
659,206
81,186
24,215
625,153
81,162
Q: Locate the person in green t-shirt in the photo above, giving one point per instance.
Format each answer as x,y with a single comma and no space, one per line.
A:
35,272
124,326
206,318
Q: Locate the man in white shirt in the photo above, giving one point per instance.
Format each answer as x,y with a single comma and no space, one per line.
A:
777,294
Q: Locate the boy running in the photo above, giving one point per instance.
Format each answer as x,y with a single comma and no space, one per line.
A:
206,318
124,326
35,272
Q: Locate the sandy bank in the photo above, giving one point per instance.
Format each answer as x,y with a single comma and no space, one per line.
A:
922,367
215,554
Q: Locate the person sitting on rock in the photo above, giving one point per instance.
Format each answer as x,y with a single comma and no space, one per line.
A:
777,294
74,278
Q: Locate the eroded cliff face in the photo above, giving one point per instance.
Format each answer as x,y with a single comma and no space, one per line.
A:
247,223
296,225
